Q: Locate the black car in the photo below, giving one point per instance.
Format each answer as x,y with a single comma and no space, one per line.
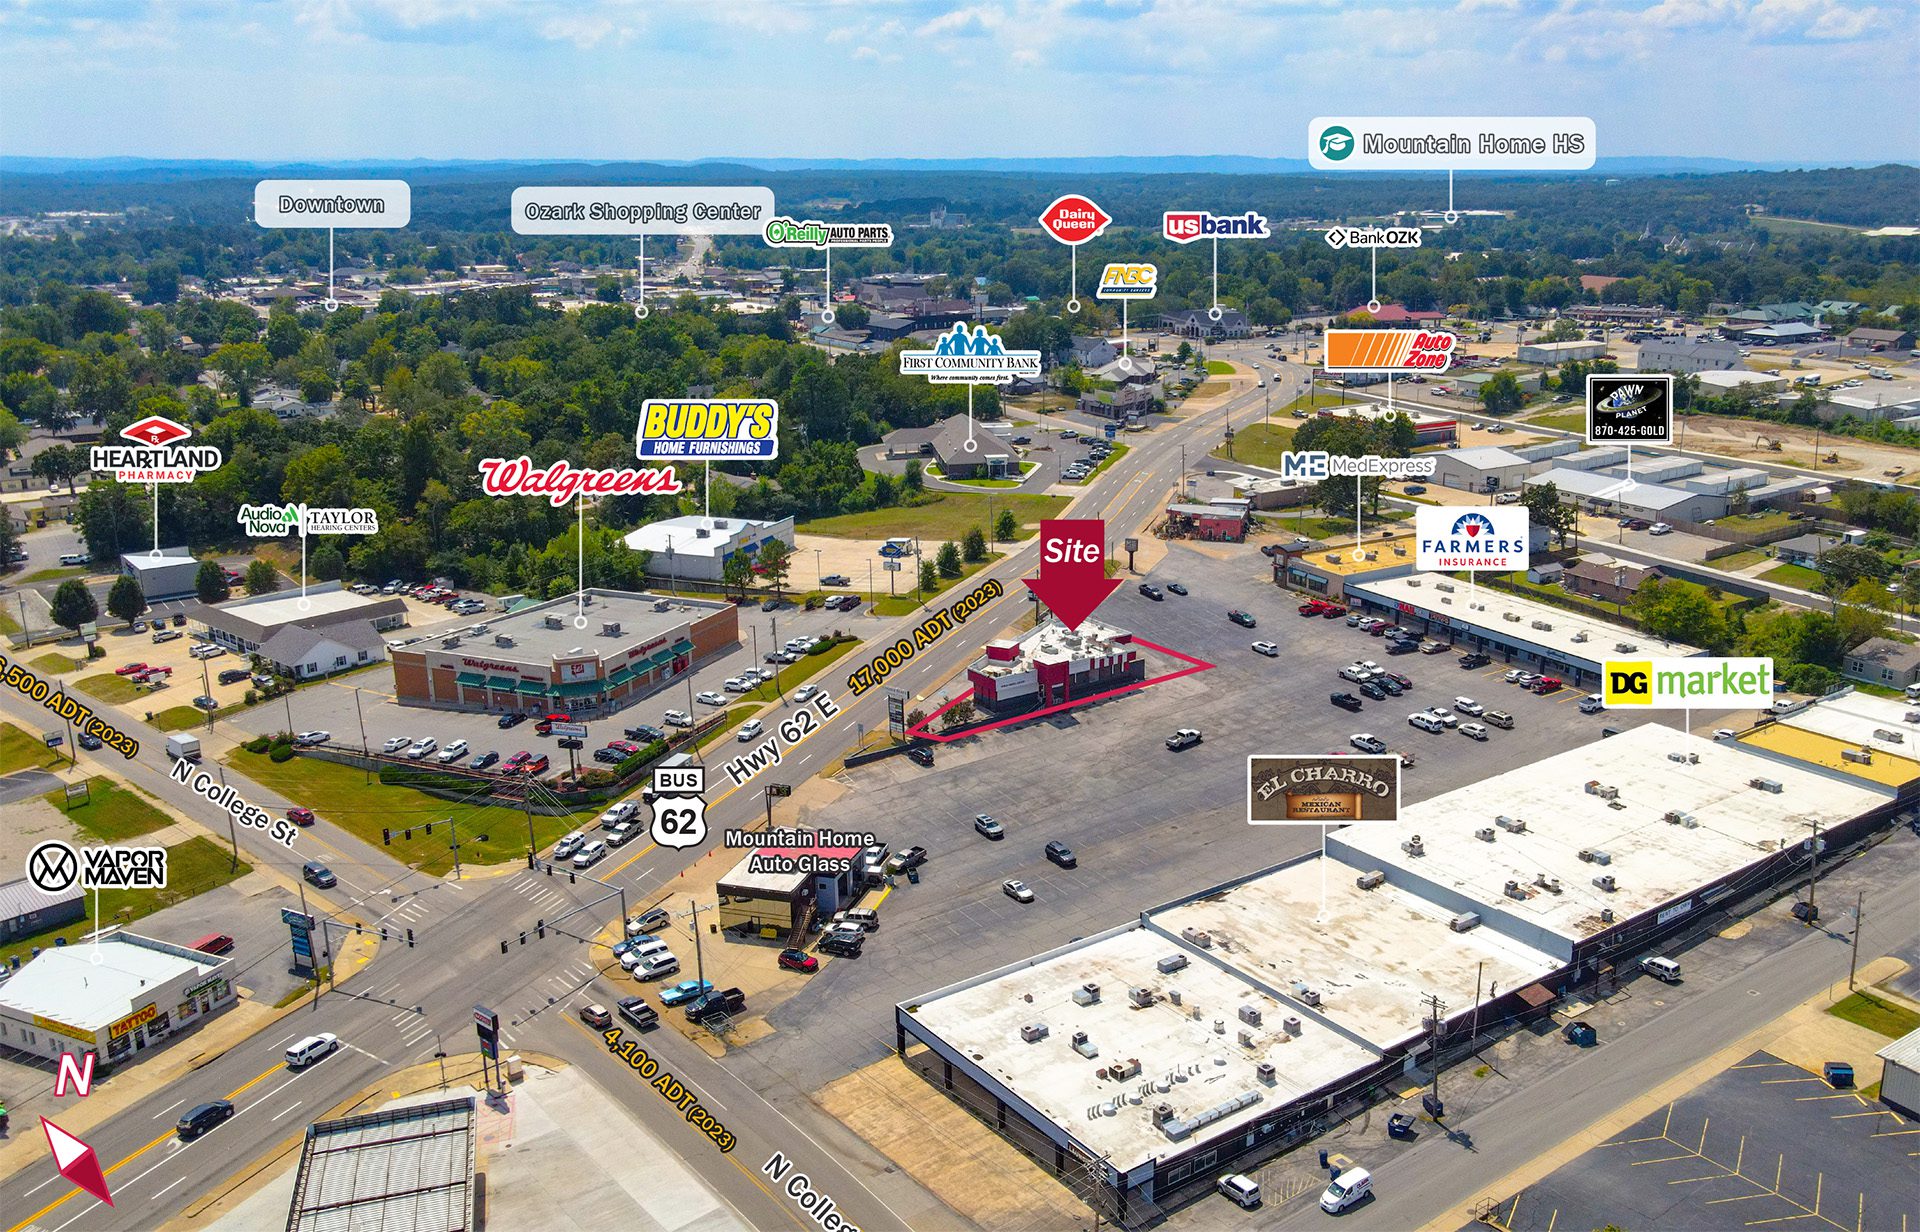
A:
1346,701
1403,647
1391,685
1475,659
609,755
1244,619
319,875
920,755
511,720
233,675
1176,588
89,741
639,1013
483,761
1022,440
713,1004
1151,591
771,605
204,1117
1062,855
846,945
645,734
1373,690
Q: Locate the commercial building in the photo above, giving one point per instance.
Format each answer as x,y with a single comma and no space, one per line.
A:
1900,1074
1485,468
964,451
351,622
25,909
1850,736
1726,381
1515,630
1210,522
1469,384
1610,581
1883,661
1052,664
697,547
588,654
405,1166
1616,496
1785,334
127,994
1556,353
1399,316
772,894
1199,323
169,575
1881,339
1427,429
1279,493
1686,355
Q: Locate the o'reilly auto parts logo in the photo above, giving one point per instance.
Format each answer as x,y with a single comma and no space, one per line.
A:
1629,407
1679,684
1493,539
1336,142
156,456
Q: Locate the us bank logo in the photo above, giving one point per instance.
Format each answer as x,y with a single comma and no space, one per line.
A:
1336,143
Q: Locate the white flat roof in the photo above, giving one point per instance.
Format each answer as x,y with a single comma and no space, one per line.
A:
1611,487
1855,718
66,985
1176,1045
285,609
1422,590
1653,861
682,534
1485,456
1372,956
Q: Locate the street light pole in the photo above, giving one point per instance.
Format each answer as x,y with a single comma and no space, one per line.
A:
365,748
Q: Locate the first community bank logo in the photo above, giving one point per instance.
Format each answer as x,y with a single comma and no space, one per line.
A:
963,357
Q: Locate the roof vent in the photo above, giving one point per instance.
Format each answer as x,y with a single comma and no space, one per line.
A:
1414,847
1512,825
503,639
552,622
1606,882
1484,834
609,628
1371,879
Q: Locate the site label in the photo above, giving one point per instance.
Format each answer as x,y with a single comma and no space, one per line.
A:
1128,280
1322,789
784,232
1373,237
1628,408
1444,143
976,358
1073,568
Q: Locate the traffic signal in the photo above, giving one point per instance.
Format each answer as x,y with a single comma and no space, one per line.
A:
383,932
549,868
408,835
540,929
386,837
523,938
409,938
503,947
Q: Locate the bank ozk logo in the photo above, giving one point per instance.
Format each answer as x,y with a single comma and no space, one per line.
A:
156,456
1336,143
970,358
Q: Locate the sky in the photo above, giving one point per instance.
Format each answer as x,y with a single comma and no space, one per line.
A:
271,80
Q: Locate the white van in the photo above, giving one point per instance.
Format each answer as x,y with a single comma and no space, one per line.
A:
311,1049
1345,1190
655,966
1426,722
1663,969
1592,703
1242,1189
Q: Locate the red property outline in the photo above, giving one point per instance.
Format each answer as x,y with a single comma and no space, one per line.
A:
1197,665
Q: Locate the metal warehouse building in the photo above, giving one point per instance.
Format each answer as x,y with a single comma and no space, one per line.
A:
1900,1074
583,654
1151,1058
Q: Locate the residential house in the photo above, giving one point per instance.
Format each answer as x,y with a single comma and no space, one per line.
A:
1199,323
1881,339
1088,353
1804,550
1883,661
1609,581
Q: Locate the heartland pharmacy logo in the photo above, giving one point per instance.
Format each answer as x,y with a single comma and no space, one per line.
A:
1336,143
1186,226
976,358
1492,539
730,429
156,456
1128,280
562,482
279,521
1388,350
784,232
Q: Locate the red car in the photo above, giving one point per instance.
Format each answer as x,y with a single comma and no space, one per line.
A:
1309,609
300,816
537,766
1548,684
544,726
129,669
516,763
798,960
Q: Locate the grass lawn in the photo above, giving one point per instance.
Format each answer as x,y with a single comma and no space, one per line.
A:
180,718
21,750
906,603
949,515
1259,444
112,812
108,687
1317,399
54,575
1219,367
1207,389
193,867
1793,575
1316,526
1738,560
343,796
1566,421
793,675
54,664
1766,519
8,625
1119,452
735,717
1864,1009
989,483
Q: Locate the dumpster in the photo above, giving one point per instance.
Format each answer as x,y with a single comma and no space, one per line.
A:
1839,1075
1400,1125
1581,1034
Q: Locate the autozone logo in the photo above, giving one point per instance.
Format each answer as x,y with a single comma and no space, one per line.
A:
1186,226
1389,350
1128,280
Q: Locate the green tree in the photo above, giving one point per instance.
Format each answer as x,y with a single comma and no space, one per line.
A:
1680,612
262,578
73,604
1502,395
126,600
210,583
1843,565
113,518
776,559
58,464
974,546
948,560
737,573
1544,508
912,482
13,434
327,562
1005,526
241,365
929,576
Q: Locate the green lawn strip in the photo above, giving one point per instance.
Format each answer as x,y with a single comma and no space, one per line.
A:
1260,444
1316,526
22,750
1737,560
342,795
907,603
108,687
54,575
1864,1009
734,717
193,867
112,812
54,664
1794,575
1119,451
1566,421
1320,398
948,515
180,718
1219,367
793,675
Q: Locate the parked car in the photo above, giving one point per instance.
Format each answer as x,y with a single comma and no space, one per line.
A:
710,698
684,991
419,749
1152,592
1345,701
715,1003
1446,716
1244,619
1367,743
569,843
128,669
483,761
232,675
1017,890
1269,649
1176,588
395,743
453,752
1185,738
1062,855
920,755
1466,705
988,827
901,861
1475,659
677,718
737,684
1373,690
510,720
1473,731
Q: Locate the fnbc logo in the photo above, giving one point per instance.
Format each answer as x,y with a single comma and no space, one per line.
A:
1336,143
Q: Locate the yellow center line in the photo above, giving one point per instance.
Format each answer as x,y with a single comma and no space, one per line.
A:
274,1069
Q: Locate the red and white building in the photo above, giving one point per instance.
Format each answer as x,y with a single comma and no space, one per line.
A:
1053,664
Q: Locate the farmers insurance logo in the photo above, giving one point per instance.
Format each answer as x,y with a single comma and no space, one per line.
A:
1493,539
730,429
1678,684
976,358
1186,226
1336,143
1128,280
1627,408
157,456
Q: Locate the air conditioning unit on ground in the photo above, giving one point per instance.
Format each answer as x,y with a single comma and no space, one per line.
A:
1371,879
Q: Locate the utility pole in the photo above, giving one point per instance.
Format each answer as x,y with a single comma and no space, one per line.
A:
233,837
365,748
699,960
1437,1008
1813,875
453,829
1859,915
1473,1033
285,698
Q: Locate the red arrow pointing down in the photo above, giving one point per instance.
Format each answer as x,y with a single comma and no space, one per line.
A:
76,1161
1073,568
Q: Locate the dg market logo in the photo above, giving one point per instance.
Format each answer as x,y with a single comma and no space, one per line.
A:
1336,143
158,454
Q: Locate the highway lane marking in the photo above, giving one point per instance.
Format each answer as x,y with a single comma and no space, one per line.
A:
162,1193
363,1052
176,1103
284,1111
270,1094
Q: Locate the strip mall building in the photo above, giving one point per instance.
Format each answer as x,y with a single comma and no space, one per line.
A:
541,658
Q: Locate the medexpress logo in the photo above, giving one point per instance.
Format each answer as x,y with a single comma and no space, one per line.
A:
1186,226
1493,539
1678,684
1128,280
1336,142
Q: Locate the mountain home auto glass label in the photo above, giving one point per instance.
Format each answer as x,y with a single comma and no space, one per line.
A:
729,429
970,358
697,210
345,204
1322,789
159,454
1493,538
1443,143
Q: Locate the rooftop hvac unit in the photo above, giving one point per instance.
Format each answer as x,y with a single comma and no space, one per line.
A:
1171,963
552,622
1478,607
1447,601
1084,1046
1512,825
1120,1071
1086,994
1593,855
1513,616
1888,735
1550,884
1606,882
1860,757
1290,1024
1162,1113
503,639
1913,716
1371,879
1545,626
1141,997
1580,636
1198,936
1446,586
1513,890
1413,581
1484,834
1626,647
1265,1073
1249,1038
1772,785
1685,759
1034,1032
1596,788
1173,995
1606,915
1464,922
701,532
1250,1014
609,628
448,643
1413,846
1684,820
1307,996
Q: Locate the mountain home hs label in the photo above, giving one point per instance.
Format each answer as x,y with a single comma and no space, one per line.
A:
1450,143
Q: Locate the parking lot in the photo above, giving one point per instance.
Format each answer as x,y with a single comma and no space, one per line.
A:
1146,824
329,706
1763,1143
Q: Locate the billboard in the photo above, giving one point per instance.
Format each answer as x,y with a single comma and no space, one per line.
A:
1493,538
